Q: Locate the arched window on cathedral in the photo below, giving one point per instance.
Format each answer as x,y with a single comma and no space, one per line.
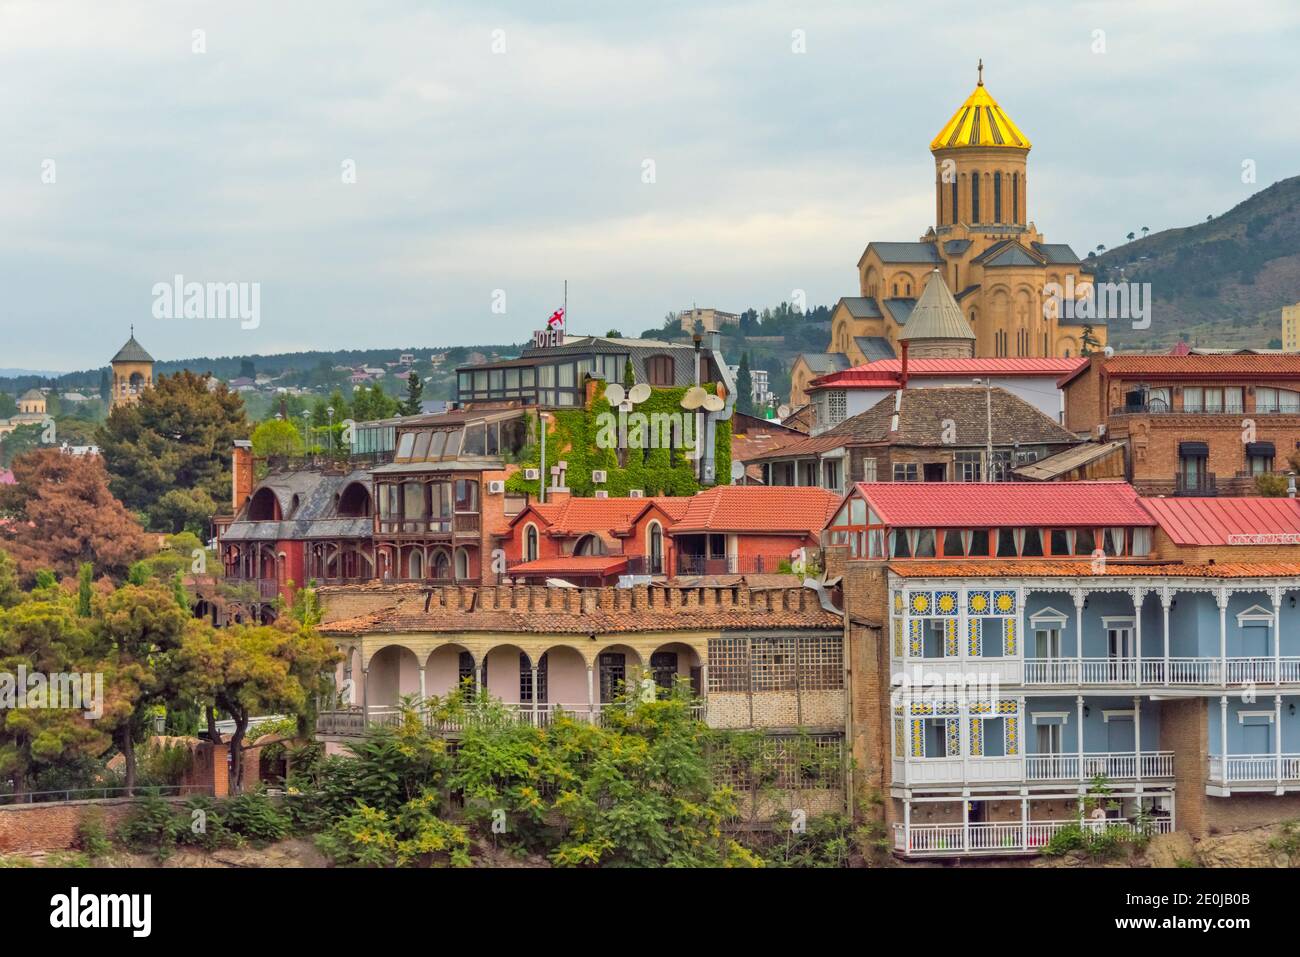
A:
974,196
1015,197
997,197
952,213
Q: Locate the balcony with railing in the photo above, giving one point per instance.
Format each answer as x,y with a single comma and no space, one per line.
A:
267,588
1201,483
1272,770
1019,837
352,722
726,565
1114,766
1162,672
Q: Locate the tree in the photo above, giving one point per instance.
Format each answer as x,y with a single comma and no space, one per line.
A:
744,386
247,370
373,403
247,670
134,627
105,387
43,635
177,436
629,377
1088,342
613,334
62,514
414,392
1145,230
20,441
183,510
8,407
1131,237
276,438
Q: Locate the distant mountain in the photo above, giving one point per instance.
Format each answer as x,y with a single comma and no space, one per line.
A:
38,373
1220,283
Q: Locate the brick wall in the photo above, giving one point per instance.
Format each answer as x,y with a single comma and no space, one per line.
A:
1164,547
1184,730
53,827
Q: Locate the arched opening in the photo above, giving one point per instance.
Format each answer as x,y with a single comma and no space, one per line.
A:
355,501
462,564
590,545
617,666
394,672
446,668
655,549
441,566
530,543
566,679
676,662
415,564
264,506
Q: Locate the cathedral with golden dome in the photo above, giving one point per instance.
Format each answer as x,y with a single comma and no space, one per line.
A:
993,261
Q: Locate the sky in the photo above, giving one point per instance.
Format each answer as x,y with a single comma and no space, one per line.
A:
405,173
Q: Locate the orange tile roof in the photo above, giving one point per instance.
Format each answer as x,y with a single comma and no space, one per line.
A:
1248,365
572,565
1028,568
758,509
579,516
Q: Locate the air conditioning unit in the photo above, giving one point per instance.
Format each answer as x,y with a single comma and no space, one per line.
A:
602,493
532,475
636,493
598,476
496,487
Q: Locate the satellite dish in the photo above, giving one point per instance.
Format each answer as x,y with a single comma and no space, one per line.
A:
714,403
737,470
694,398
783,411
638,393
614,393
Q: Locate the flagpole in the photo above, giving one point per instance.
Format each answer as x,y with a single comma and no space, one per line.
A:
565,323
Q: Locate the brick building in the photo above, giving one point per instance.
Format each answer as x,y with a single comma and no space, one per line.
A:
922,435
1194,424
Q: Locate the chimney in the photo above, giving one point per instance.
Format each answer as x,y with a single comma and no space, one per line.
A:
902,374
241,478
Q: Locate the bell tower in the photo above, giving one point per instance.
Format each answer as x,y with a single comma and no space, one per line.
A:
132,372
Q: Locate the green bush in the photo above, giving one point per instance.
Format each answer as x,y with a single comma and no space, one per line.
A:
92,833
203,825
415,835
151,825
256,817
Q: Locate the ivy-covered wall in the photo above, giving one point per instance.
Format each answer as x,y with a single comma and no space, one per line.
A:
657,471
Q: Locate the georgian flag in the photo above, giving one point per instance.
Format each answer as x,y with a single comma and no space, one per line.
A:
557,319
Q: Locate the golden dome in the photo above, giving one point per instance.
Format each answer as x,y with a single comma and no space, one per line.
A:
980,122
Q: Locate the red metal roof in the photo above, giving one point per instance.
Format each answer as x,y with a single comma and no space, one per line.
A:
885,372
1029,568
1213,521
758,509
992,504
572,565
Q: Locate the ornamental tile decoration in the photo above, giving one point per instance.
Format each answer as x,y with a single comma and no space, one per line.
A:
976,736
1012,736
898,737
918,738
914,647
1008,706
1004,602
981,707
952,737
973,637
945,602
921,603
978,602
898,637
1009,637
898,603
950,649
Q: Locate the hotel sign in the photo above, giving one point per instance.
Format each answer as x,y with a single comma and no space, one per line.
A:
548,338
1265,538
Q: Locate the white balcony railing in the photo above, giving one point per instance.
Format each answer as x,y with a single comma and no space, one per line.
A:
1005,838
1111,765
351,722
1161,671
1242,768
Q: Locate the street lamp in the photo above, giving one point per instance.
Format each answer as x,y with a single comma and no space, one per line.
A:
988,413
330,412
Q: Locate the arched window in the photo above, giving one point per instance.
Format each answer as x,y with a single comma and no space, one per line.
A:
462,564
590,545
655,549
530,543
1015,197
952,213
997,197
442,567
415,564
974,197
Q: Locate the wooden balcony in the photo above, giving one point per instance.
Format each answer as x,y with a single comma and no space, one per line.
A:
1161,672
1019,837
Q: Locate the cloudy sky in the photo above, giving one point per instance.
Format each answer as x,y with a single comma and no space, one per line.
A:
504,146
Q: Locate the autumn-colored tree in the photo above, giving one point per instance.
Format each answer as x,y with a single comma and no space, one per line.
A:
133,628
249,670
43,635
177,437
61,514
